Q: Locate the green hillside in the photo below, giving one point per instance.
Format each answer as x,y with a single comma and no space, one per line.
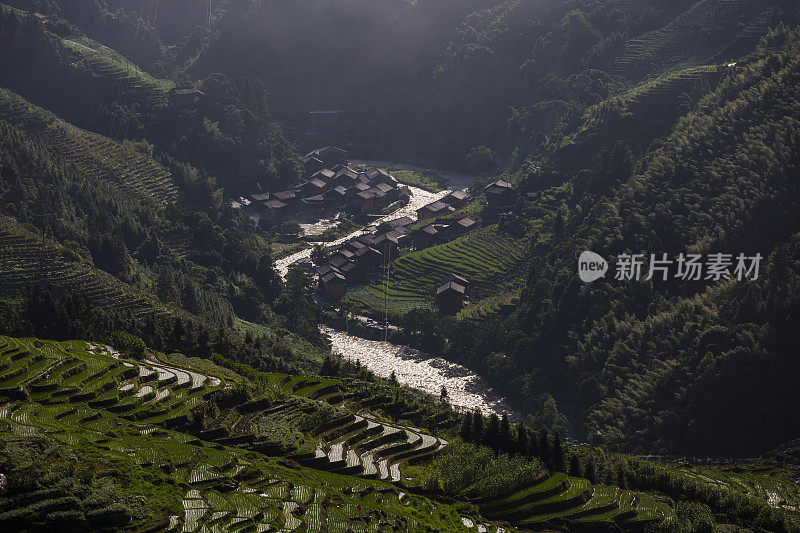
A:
26,259
131,79
91,152
157,373
195,428
486,257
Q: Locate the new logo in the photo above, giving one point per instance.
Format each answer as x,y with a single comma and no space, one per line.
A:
591,266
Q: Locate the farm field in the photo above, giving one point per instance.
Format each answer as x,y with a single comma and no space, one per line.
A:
485,257
108,159
25,259
108,63
776,486
253,464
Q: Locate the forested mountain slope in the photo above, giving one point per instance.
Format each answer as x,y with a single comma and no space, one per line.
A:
675,367
55,65
431,79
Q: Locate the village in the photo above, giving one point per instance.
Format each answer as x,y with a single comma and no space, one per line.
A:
332,187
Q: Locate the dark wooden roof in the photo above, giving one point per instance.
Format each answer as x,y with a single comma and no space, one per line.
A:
466,222
274,204
451,286
285,195
400,222
334,277
455,278
260,196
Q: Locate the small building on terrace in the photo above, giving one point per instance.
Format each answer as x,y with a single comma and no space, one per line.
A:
450,297
434,209
332,285
499,194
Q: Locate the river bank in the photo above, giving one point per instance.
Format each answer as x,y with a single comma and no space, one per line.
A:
466,390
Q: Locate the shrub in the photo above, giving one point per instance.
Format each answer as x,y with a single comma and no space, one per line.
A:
130,345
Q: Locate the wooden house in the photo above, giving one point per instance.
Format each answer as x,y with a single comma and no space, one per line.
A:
368,258
434,209
335,198
312,187
260,197
450,297
345,178
365,201
288,197
312,165
456,199
273,211
401,222
499,194
386,243
456,278
461,226
425,236
330,156
332,285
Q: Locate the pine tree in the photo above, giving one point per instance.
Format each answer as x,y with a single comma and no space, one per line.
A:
545,450
466,427
504,436
492,432
327,367
559,463
591,470
477,426
522,440
575,466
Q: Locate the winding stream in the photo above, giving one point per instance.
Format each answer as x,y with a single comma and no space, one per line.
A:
419,197
466,390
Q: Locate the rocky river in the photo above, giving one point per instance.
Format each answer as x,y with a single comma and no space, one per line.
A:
465,389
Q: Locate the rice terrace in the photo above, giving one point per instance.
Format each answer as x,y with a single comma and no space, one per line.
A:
372,266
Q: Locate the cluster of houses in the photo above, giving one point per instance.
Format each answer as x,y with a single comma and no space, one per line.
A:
441,228
331,187
357,259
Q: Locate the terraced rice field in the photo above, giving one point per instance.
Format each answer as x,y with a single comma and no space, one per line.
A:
108,159
81,392
139,85
776,487
25,260
687,37
84,393
658,98
483,256
563,501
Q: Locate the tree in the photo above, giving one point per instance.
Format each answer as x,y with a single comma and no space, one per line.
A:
504,438
203,348
319,254
129,345
558,461
481,159
575,466
466,427
522,440
492,436
477,426
327,366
